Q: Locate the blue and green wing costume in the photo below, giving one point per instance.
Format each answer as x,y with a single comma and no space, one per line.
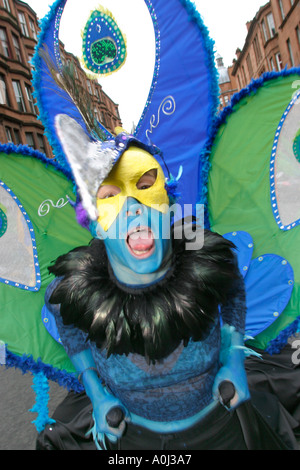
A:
225,163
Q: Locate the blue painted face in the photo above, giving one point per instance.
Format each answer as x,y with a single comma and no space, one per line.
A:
138,240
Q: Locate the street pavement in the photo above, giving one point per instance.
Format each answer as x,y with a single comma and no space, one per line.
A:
16,399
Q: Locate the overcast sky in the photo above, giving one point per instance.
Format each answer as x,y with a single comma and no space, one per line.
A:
225,19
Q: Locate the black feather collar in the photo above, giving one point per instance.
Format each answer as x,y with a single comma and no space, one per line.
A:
150,321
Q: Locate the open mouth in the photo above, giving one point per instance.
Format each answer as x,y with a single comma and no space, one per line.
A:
140,242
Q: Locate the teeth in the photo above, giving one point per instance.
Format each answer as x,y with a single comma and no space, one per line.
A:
133,239
140,252
139,229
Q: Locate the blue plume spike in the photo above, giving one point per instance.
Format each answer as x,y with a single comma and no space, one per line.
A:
41,388
183,98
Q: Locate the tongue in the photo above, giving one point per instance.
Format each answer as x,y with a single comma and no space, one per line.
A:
140,241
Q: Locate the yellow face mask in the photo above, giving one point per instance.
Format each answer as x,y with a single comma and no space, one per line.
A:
132,177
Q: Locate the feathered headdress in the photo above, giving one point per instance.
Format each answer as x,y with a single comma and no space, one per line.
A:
176,116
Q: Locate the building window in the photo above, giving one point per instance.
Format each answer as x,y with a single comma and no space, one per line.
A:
278,61
32,29
98,93
19,96
23,24
18,139
9,135
29,139
271,25
30,99
73,69
3,92
264,30
298,34
6,5
89,85
17,47
244,75
249,65
240,84
96,114
288,42
41,142
4,42
280,4
257,49
262,71
272,65
30,58
103,118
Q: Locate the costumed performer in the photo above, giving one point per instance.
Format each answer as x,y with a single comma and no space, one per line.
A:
153,326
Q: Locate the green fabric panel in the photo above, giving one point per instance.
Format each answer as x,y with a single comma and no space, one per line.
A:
239,184
56,233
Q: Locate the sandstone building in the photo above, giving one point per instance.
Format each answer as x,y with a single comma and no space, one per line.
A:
272,44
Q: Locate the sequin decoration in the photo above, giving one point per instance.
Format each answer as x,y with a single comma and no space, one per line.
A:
104,46
296,146
3,221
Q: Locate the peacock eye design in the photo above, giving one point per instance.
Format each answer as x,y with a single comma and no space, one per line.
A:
285,168
104,46
103,51
19,266
3,221
296,146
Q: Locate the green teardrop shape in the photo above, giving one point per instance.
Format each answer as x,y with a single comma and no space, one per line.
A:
296,146
103,51
3,222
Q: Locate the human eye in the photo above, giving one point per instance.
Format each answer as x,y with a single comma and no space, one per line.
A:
147,180
107,191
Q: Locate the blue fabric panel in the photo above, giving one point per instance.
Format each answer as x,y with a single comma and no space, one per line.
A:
269,284
181,103
244,249
50,324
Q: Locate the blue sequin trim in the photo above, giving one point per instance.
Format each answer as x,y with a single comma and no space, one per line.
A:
27,364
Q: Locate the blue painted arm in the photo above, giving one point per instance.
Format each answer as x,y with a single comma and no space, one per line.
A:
103,402
232,357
